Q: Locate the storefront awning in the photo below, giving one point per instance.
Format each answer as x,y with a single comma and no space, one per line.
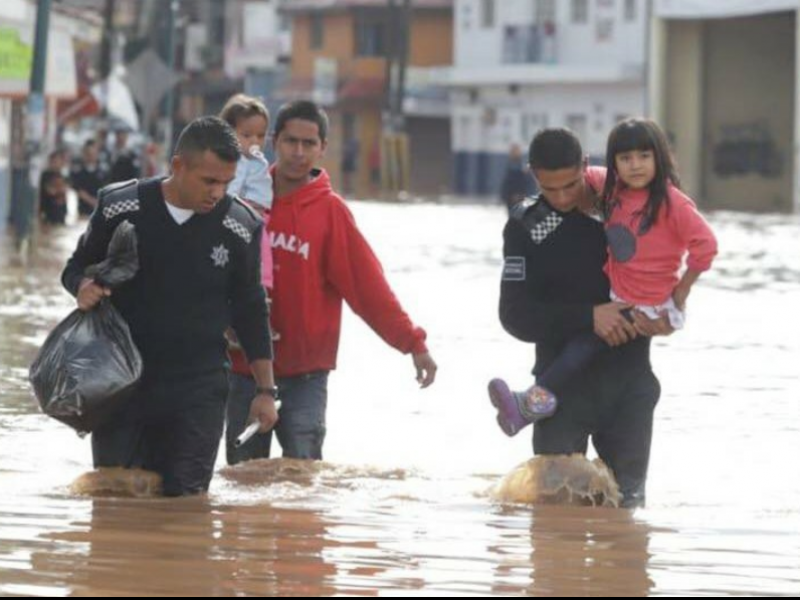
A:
720,9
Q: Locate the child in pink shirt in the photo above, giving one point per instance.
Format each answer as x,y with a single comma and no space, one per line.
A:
651,227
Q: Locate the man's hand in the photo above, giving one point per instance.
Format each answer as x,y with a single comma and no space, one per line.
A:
611,325
426,369
652,327
263,411
90,294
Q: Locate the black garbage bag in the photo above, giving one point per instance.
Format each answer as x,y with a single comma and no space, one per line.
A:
89,367
122,259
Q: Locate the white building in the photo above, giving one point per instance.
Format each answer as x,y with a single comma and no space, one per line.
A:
521,65
230,47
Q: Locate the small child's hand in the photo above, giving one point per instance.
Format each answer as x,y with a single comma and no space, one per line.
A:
255,152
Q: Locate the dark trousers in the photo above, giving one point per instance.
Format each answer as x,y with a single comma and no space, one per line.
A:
573,360
615,408
172,427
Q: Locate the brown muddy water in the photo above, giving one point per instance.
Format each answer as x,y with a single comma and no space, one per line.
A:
401,505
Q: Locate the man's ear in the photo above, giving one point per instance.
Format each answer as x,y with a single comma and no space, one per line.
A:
177,164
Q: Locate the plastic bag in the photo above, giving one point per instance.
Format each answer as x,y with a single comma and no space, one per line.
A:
89,367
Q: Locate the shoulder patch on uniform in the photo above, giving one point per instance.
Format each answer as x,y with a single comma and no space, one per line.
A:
543,229
514,268
538,218
237,228
120,199
241,220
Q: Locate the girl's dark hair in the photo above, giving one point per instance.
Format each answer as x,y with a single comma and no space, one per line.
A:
643,135
241,107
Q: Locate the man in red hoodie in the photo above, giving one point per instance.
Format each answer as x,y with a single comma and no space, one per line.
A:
320,258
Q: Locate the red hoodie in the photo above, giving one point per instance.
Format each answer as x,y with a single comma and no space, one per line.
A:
321,258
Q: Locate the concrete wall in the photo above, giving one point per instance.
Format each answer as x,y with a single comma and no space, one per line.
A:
683,118
749,112
725,90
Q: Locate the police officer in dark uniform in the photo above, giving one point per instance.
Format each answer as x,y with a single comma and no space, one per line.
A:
554,288
200,273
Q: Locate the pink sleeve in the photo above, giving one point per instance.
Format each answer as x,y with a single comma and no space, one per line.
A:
694,231
596,178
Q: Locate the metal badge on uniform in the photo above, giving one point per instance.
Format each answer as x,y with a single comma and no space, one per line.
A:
514,268
220,256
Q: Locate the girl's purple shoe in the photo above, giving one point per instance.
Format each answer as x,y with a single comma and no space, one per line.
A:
515,410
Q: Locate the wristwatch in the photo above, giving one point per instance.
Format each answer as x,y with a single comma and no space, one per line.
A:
267,391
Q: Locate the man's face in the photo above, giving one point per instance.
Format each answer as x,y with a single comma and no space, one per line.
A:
202,180
298,148
562,188
90,154
122,139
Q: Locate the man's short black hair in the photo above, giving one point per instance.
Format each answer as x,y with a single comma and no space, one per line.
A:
305,110
554,149
212,134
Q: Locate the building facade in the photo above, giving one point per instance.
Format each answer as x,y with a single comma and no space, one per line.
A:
340,57
725,83
521,65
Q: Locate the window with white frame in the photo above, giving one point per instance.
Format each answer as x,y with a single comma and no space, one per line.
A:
580,11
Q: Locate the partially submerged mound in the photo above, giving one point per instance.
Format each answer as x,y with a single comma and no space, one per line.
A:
566,480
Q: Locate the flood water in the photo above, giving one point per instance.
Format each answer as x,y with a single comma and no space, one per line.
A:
401,506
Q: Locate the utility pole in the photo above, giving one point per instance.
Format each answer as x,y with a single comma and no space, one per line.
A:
397,63
169,101
25,184
394,148
106,50
402,66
